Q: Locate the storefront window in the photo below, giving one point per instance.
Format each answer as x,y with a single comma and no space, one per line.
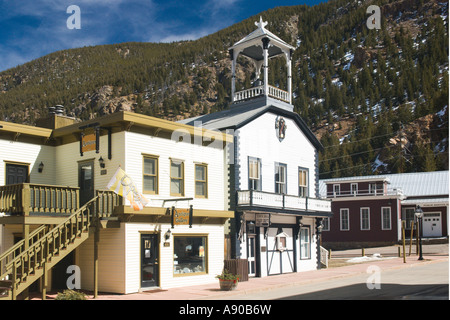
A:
189,255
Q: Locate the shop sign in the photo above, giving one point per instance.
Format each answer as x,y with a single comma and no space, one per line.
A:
181,217
262,219
88,142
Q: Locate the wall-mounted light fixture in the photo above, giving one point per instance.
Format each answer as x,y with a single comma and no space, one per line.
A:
41,167
167,235
101,162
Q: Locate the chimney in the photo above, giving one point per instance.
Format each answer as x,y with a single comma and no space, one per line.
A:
56,118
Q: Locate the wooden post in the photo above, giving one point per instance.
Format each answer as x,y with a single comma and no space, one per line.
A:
403,237
44,282
96,240
411,237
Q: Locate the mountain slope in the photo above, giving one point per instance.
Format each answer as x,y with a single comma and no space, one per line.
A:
356,88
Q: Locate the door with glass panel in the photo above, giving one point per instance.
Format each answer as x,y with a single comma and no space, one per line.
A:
251,255
86,181
149,260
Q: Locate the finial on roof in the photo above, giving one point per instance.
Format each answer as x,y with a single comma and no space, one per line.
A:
261,24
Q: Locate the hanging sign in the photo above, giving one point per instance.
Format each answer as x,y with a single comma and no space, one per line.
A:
262,219
88,142
181,217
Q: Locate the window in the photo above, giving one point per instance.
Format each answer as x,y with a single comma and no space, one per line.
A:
201,180
408,216
176,178
189,255
326,224
354,189
386,218
302,182
254,174
336,189
150,178
280,178
345,224
365,218
305,243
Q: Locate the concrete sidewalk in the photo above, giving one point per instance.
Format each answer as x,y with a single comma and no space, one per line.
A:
211,291
431,254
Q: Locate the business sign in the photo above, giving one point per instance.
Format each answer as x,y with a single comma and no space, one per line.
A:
88,142
262,219
91,141
182,217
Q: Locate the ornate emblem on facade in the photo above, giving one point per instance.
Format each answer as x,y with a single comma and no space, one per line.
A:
280,126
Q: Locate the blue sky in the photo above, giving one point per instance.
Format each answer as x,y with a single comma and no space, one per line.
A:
30,29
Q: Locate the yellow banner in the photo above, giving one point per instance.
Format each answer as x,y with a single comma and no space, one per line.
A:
123,185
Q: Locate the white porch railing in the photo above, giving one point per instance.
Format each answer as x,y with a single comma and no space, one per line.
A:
324,256
259,91
281,201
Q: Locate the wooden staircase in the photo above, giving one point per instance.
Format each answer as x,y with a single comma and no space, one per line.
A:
28,261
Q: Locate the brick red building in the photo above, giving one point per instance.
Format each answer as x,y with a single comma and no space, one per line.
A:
369,210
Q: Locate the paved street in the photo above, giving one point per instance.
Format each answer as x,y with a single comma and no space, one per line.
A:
429,281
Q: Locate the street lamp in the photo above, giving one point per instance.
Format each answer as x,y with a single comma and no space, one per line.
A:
419,214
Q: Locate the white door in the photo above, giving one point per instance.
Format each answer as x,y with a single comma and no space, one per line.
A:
432,226
251,256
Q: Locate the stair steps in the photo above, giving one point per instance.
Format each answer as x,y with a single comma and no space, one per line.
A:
44,253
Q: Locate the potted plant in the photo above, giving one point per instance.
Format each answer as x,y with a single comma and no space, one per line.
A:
227,281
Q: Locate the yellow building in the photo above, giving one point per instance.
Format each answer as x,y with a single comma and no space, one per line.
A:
58,215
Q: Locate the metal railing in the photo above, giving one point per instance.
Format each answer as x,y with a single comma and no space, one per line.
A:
26,198
281,201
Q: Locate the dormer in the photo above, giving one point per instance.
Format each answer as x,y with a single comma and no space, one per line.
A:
260,46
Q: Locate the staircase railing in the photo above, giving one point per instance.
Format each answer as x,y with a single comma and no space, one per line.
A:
9,255
49,246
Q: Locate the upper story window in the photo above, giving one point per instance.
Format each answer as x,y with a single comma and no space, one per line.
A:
336,189
176,177
302,182
280,178
201,180
150,175
254,174
354,188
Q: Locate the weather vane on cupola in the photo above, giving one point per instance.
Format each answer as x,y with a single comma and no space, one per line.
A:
259,46
261,24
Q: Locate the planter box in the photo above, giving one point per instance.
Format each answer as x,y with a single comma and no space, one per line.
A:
228,285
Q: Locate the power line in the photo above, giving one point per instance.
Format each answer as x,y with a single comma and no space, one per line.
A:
362,152
369,163
384,135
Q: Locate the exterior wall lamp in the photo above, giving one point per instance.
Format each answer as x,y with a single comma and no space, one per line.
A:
419,214
101,162
41,167
167,235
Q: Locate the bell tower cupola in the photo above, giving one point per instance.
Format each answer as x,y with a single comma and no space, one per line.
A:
260,46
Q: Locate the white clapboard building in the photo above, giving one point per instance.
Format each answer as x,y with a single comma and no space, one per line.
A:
58,214
274,183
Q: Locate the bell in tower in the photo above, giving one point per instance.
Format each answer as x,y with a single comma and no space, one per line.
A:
260,46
